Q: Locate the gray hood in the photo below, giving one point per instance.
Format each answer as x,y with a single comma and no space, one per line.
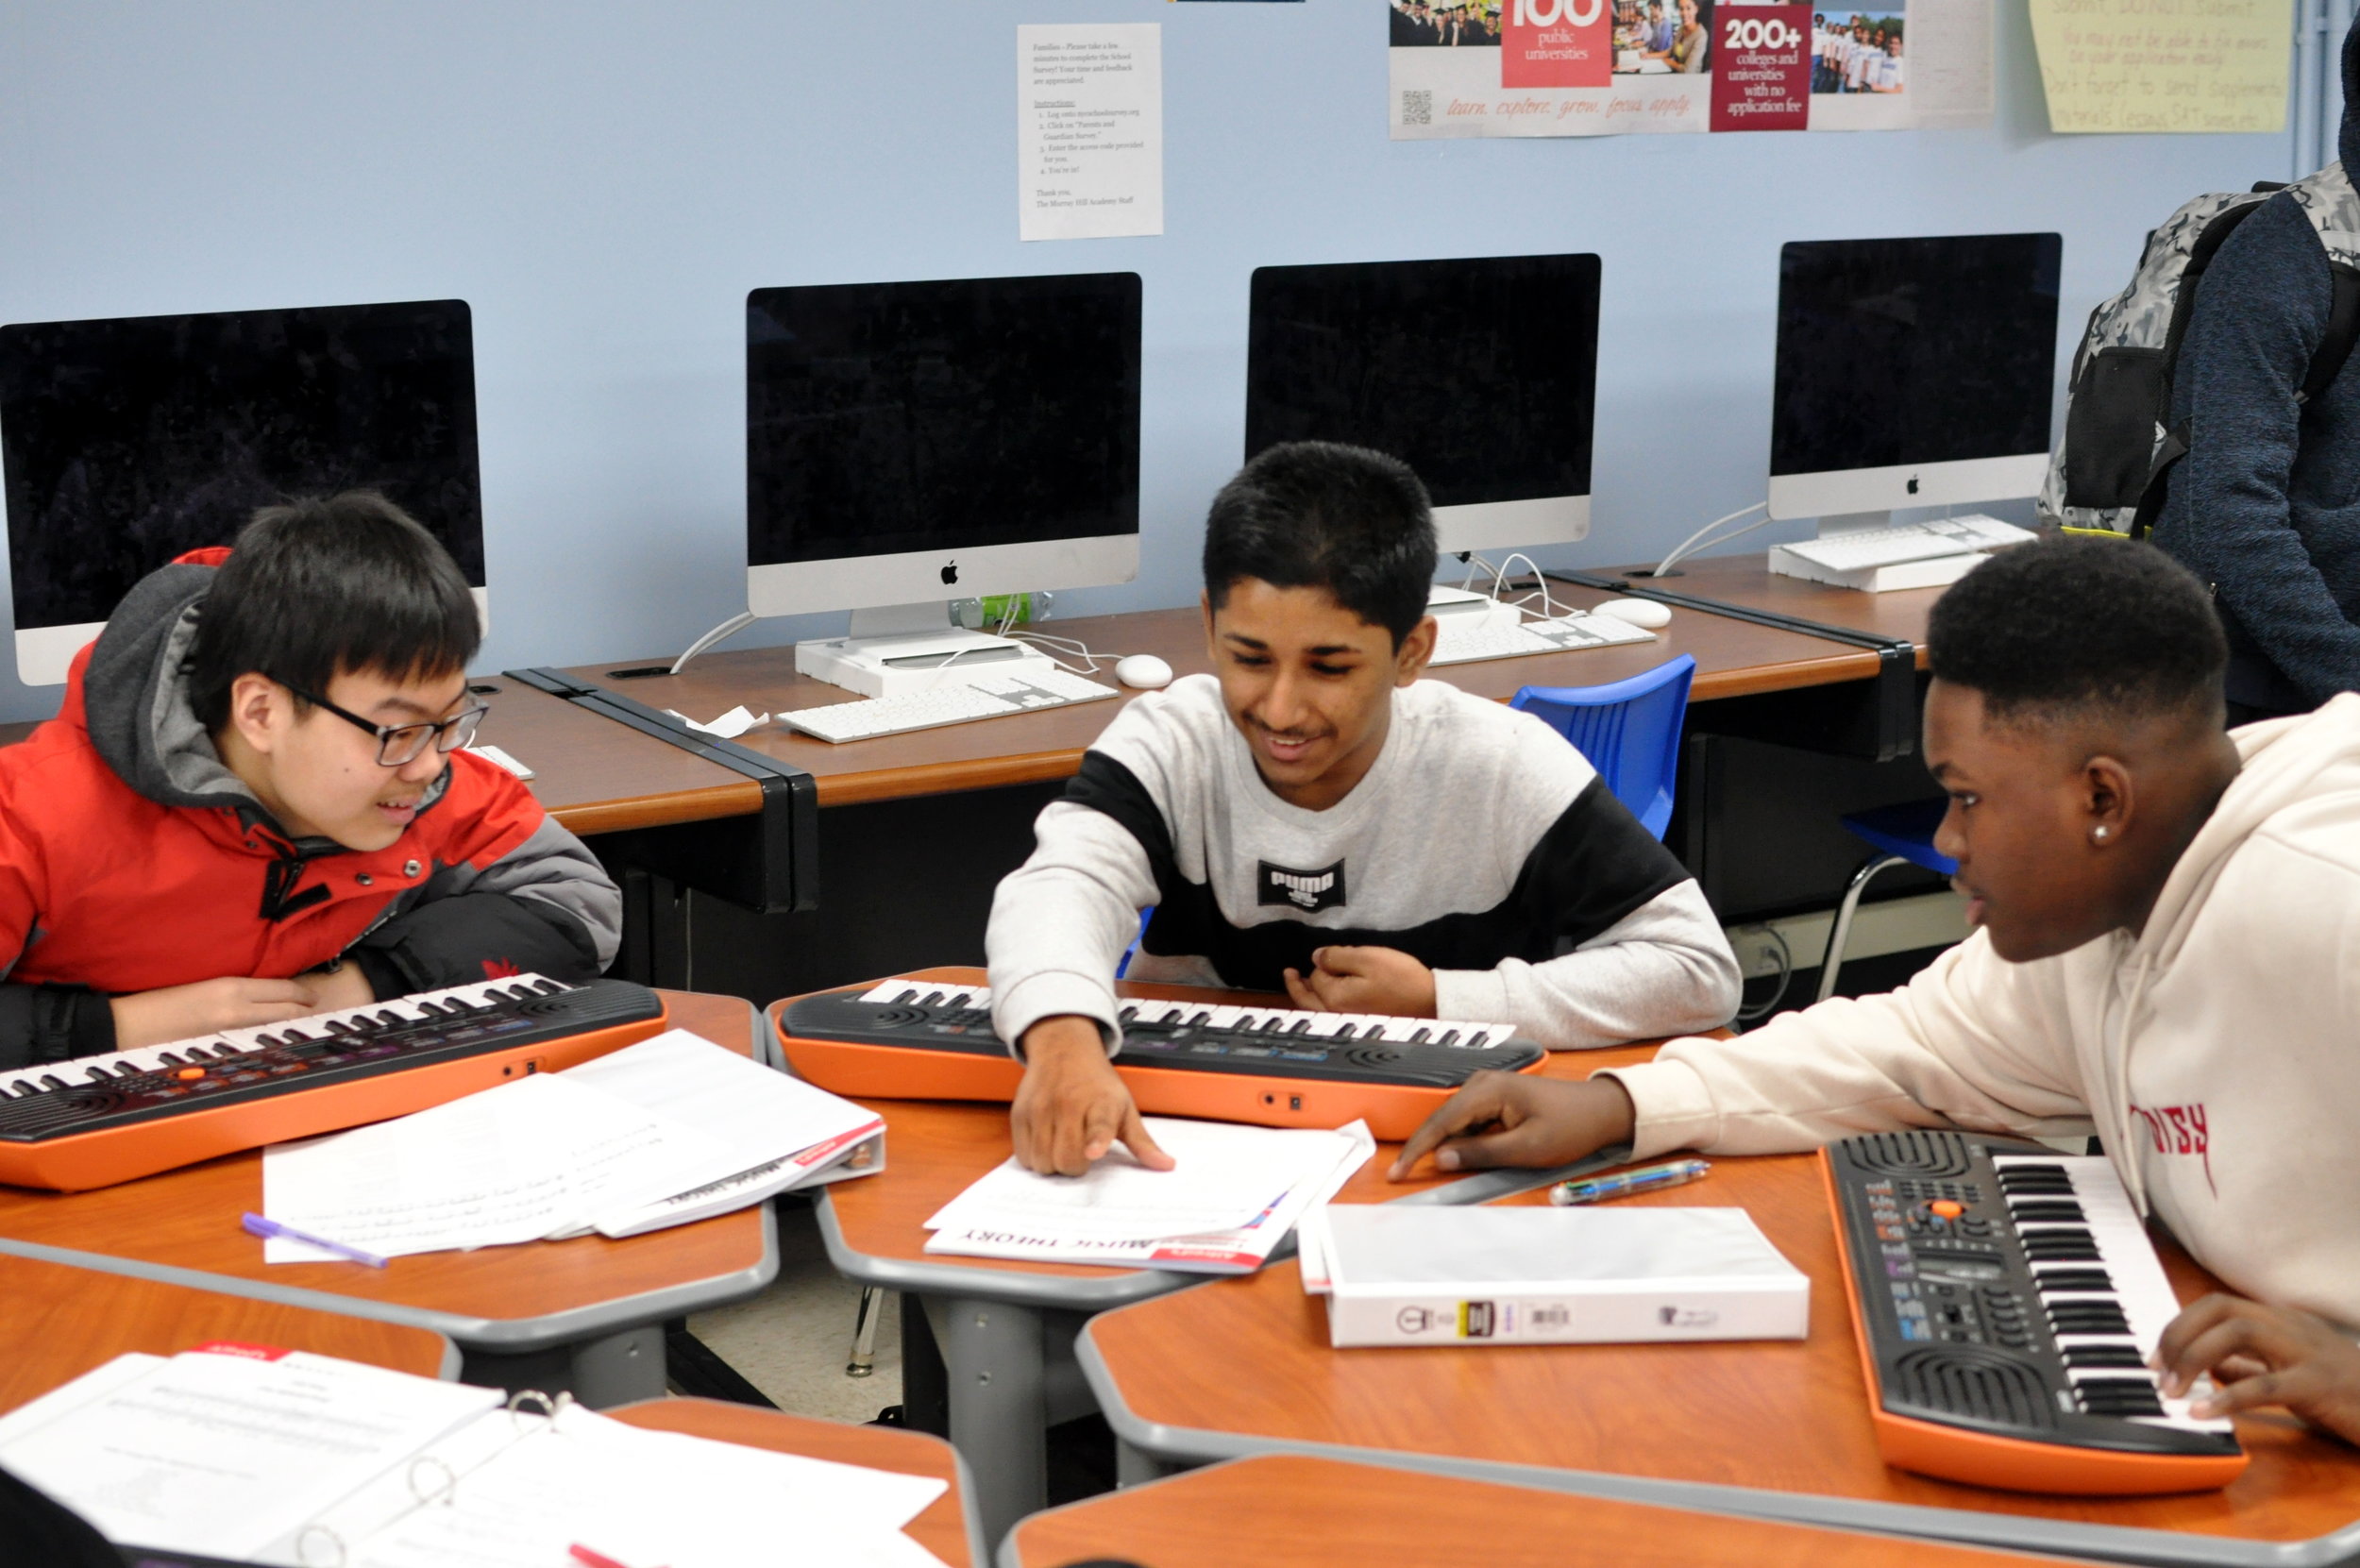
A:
135,698
2347,135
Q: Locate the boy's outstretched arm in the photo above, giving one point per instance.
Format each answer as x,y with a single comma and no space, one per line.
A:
1515,1119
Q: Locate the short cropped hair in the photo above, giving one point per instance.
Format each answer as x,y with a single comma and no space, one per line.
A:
1318,514
318,588
2078,626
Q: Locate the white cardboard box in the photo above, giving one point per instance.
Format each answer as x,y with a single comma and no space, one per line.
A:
1531,1275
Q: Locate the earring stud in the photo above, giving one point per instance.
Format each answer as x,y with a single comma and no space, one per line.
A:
2099,834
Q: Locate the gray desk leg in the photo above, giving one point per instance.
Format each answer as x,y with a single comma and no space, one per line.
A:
612,1369
994,1353
1137,1466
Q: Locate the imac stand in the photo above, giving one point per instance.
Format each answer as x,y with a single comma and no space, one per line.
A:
892,650
906,647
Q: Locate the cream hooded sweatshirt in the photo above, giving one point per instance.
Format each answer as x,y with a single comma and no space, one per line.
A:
2217,1053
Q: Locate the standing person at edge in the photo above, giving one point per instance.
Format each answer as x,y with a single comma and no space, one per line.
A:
253,806
2144,889
1315,817
2266,505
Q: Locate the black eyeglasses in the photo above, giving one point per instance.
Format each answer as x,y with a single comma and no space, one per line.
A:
401,744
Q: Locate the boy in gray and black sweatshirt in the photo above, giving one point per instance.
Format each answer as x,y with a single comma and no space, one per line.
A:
1318,820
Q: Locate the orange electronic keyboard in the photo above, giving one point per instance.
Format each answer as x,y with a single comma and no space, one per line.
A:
2005,1298
927,1040
102,1119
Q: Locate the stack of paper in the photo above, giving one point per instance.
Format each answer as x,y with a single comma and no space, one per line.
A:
672,1129
1235,1194
264,1456
1412,1274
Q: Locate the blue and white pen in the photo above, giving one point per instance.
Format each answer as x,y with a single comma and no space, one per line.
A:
257,1225
1595,1188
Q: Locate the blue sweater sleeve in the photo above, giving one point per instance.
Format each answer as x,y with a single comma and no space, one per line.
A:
2261,312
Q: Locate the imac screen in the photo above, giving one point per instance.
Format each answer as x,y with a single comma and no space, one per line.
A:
130,442
1913,351
1481,375
883,418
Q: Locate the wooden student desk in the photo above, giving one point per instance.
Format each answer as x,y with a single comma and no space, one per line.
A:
584,1315
1776,1429
947,1528
58,1322
1295,1511
1004,1326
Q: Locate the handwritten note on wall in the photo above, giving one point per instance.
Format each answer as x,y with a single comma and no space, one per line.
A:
1090,130
2165,65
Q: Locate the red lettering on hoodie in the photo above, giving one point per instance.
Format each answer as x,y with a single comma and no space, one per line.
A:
2181,1130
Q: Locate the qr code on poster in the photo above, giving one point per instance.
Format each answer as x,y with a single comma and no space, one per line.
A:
1417,108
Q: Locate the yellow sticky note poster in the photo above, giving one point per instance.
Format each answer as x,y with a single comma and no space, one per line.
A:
2165,65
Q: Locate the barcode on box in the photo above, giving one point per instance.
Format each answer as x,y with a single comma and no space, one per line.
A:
1417,107
1550,1317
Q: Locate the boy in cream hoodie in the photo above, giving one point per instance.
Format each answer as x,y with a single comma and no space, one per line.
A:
2166,953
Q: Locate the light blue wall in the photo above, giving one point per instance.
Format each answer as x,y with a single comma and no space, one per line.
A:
603,182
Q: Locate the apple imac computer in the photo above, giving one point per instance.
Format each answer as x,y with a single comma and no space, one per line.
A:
1479,374
1912,372
127,443
908,445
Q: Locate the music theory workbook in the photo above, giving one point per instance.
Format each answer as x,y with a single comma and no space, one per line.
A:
295,1461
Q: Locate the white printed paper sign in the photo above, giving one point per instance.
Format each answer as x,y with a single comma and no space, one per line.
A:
1605,67
1090,130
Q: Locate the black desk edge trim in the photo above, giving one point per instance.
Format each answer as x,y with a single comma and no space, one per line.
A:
789,873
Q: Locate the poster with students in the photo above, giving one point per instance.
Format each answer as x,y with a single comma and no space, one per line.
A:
1608,67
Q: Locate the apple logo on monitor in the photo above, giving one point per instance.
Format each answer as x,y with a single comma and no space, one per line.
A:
1913,484
951,573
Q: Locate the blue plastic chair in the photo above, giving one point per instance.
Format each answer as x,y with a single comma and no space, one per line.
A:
1901,835
1630,731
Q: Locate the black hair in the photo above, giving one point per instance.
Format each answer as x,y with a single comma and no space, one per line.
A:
317,588
1317,514
2075,626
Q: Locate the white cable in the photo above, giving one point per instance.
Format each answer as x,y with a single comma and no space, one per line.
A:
1698,541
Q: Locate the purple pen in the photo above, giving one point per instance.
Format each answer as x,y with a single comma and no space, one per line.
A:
263,1225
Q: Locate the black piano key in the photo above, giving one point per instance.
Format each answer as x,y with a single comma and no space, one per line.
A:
337,1026
2038,1211
2119,1396
1276,1024
1200,1018
902,1000
2126,1356
168,1056
1448,1035
1301,1026
50,1080
1474,1042
932,999
99,1074
1346,1033
961,1000
390,1019
549,988
2050,1281
1175,1016
2109,1321
1126,1013
1420,1036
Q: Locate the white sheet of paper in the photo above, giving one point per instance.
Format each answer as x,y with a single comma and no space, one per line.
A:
728,727
1224,1175
512,1164
1090,130
588,1479
1226,1249
224,1455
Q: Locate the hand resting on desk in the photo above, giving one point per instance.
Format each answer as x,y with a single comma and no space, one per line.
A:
1514,1118
1072,1107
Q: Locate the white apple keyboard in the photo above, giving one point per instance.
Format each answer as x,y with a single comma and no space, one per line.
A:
1496,639
972,696
1907,541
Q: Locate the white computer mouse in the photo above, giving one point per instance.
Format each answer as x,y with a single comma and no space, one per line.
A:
1144,670
1638,611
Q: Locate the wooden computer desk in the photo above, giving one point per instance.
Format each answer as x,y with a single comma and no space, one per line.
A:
1295,1511
1005,1328
947,1528
1733,659
1776,1430
584,1315
1747,581
60,1322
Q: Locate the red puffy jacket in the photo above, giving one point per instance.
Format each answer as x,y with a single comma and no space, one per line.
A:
132,858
